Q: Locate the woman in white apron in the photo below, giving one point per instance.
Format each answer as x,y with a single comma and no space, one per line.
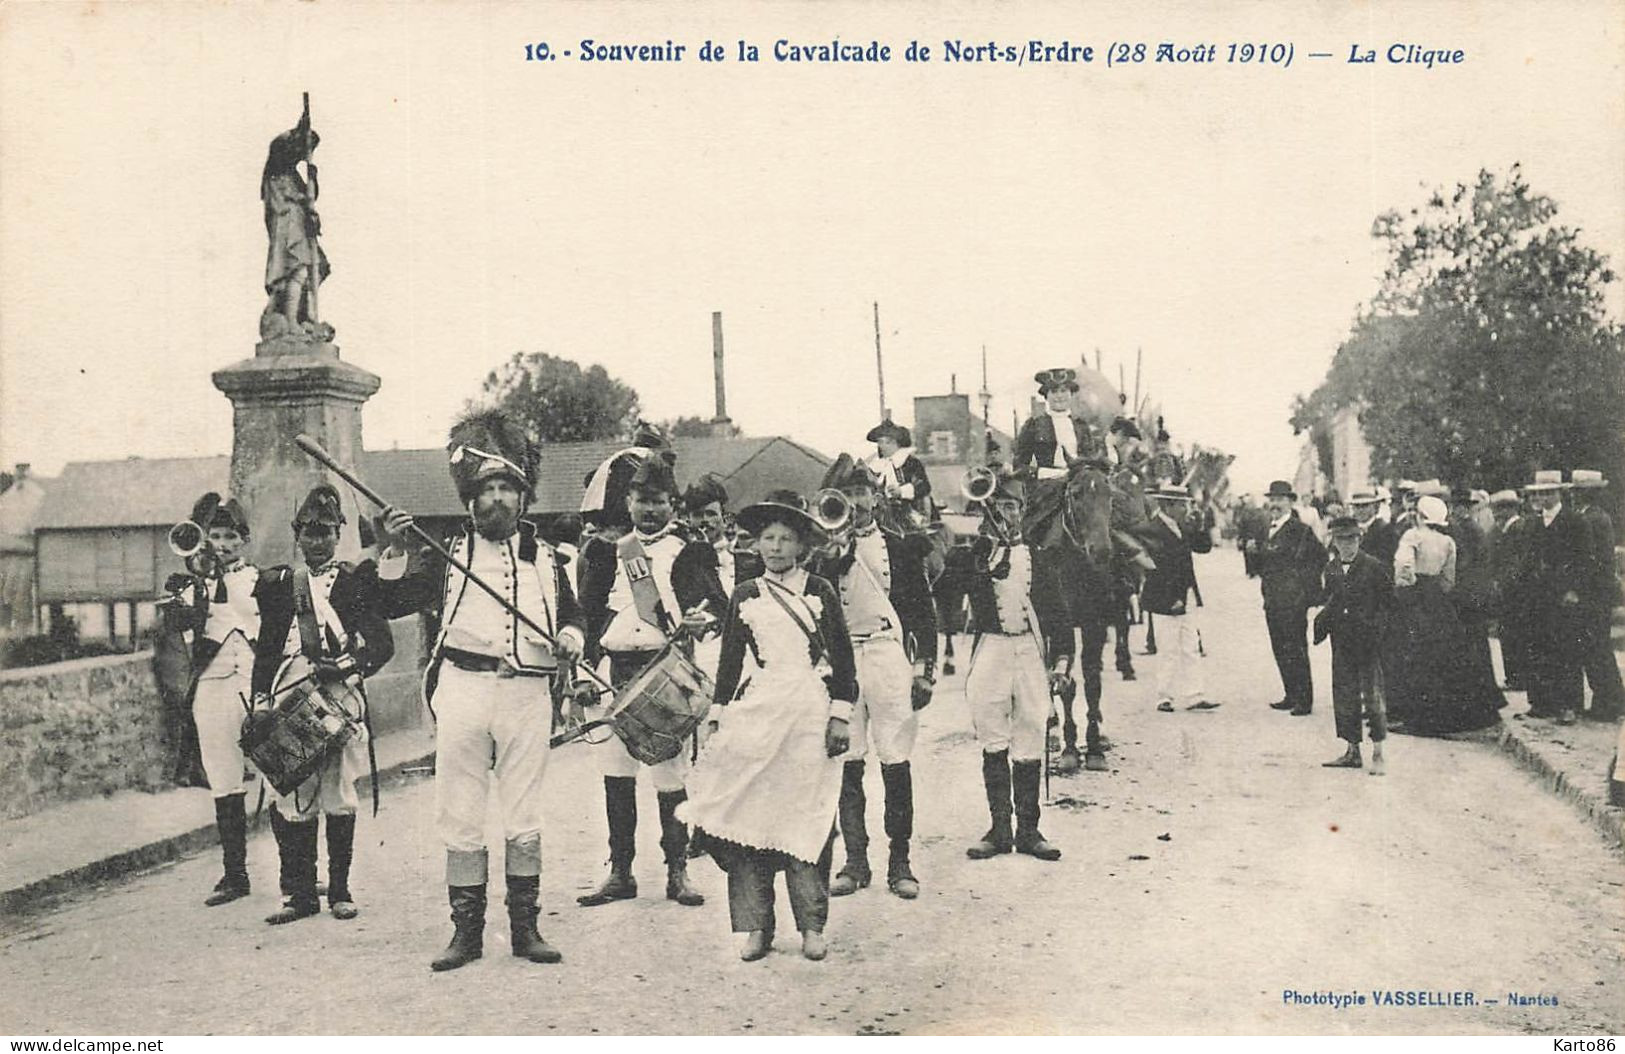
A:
762,796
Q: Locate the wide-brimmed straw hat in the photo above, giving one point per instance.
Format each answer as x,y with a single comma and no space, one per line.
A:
779,506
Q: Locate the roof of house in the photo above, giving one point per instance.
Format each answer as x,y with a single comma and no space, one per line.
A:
19,510
156,492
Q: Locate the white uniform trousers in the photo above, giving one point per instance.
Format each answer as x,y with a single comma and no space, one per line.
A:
217,710
486,726
884,716
668,776
1007,689
332,789
1180,678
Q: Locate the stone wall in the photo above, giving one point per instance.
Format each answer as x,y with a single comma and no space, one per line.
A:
90,727
78,729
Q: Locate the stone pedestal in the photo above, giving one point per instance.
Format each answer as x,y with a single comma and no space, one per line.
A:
289,387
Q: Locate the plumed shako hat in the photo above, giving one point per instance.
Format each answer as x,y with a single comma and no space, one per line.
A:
488,443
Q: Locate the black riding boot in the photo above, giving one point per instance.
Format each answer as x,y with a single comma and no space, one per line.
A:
1024,784
996,780
231,820
898,781
674,844
468,933
296,845
854,874
522,912
621,808
340,850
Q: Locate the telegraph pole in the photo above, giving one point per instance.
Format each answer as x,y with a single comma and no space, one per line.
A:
880,367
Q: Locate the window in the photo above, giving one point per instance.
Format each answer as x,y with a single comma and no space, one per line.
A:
944,445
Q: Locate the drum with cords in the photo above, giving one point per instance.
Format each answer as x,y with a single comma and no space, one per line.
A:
305,723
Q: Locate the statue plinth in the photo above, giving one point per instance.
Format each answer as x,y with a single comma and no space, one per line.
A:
292,386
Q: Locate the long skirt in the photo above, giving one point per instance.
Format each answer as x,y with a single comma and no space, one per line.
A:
1436,664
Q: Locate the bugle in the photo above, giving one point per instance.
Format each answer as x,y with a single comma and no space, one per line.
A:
977,485
186,539
831,510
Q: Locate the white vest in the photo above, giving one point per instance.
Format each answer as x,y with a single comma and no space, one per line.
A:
472,621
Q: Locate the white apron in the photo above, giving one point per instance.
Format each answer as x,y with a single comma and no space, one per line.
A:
763,779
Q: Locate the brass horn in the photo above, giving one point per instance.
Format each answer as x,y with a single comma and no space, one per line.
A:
186,539
978,483
831,510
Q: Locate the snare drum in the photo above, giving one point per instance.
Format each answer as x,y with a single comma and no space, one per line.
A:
289,741
657,711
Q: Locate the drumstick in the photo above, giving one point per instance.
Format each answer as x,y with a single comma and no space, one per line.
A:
315,450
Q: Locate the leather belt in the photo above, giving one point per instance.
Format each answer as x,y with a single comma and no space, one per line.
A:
474,662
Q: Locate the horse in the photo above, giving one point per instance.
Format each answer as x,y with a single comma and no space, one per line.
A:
1076,525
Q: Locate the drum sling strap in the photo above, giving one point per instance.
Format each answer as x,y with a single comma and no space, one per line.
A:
641,580
310,645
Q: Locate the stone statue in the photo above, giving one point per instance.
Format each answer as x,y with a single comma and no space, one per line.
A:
295,266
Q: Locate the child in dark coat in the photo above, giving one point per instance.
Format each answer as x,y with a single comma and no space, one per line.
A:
1357,587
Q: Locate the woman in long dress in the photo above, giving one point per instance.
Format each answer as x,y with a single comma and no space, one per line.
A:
1434,646
762,796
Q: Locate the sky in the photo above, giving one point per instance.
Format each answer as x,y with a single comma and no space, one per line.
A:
1214,218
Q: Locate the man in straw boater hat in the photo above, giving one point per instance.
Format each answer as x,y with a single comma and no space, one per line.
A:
1288,566
1563,579
214,600
1174,534
888,612
1358,589
327,611
490,675
1369,507
1510,540
1601,669
653,584
1008,683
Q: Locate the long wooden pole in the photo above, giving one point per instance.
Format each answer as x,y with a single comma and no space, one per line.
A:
880,368
317,451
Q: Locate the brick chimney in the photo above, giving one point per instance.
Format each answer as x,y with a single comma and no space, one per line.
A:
721,426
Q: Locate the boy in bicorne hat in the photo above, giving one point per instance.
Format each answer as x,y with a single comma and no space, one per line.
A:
327,611
490,675
215,601
1007,686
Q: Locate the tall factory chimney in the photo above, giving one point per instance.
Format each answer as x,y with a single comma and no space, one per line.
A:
720,424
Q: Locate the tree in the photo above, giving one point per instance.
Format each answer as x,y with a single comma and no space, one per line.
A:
1486,352
559,401
691,427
